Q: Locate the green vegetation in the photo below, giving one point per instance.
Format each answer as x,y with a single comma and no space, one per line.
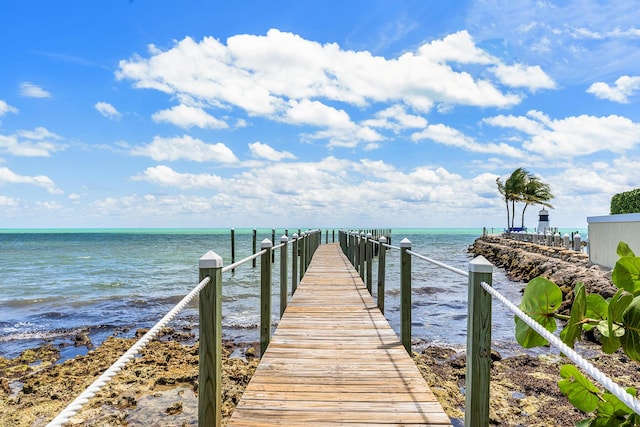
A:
617,320
627,202
522,186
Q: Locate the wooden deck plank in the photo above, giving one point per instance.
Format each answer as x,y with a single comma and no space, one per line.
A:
334,360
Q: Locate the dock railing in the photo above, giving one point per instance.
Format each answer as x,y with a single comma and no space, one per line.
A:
209,289
358,245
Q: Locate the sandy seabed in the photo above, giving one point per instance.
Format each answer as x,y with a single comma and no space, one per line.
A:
160,386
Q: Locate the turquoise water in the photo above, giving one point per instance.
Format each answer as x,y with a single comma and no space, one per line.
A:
57,283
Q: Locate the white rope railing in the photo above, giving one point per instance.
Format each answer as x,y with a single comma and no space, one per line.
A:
439,264
91,391
239,263
595,373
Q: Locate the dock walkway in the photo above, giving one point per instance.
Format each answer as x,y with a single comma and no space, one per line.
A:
334,360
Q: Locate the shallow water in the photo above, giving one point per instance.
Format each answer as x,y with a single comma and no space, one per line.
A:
57,283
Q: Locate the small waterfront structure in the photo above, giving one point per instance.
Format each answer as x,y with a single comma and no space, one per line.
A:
543,221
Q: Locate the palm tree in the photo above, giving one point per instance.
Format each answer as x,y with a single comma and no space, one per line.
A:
536,193
514,188
503,192
522,186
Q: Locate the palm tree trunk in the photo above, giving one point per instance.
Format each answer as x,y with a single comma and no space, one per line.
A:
507,203
513,213
523,209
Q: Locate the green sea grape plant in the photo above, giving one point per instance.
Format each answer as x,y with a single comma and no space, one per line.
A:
617,320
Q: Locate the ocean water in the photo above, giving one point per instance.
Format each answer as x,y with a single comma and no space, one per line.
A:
58,283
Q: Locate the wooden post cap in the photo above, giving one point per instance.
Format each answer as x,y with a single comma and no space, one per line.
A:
480,265
266,243
210,260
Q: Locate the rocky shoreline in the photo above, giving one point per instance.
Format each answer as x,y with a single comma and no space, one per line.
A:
524,261
160,387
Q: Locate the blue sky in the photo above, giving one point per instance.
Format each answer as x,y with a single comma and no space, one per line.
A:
330,114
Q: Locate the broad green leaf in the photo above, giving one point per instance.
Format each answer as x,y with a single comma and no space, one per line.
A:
610,345
597,309
580,391
540,300
631,339
611,411
617,306
573,329
584,423
613,330
624,250
626,274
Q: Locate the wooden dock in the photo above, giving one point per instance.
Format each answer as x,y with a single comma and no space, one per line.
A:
334,360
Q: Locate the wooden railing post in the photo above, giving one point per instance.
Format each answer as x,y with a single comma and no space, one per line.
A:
301,246
354,249
294,264
382,255
233,247
255,246
405,294
210,353
478,370
265,295
273,240
283,274
369,257
361,257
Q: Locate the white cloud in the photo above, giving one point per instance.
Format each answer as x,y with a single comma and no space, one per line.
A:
35,143
573,136
284,77
627,33
7,176
186,116
31,90
520,75
625,87
264,151
6,108
165,176
457,47
306,112
185,148
8,202
396,118
107,110
446,135
572,40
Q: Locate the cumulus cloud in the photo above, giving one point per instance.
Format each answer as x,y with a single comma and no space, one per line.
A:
572,136
185,148
624,87
458,47
264,151
31,90
165,176
397,119
7,176
286,78
186,117
107,110
8,202
446,135
6,108
36,143
520,75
